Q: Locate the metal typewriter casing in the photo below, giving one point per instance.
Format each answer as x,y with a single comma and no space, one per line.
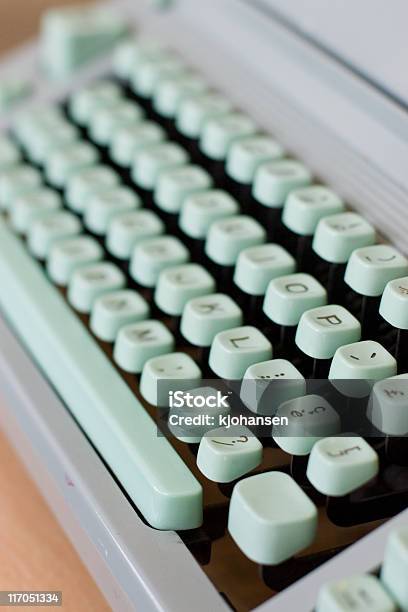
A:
354,138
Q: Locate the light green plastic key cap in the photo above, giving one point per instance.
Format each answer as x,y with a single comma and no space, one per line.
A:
276,179
43,117
228,237
107,120
200,210
395,567
365,360
104,206
370,269
288,297
394,303
387,408
247,154
234,350
150,162
115,310
154,476
89,282
268,384
220,133
195,111
15,181
138,342
164,375
67,255
9,153
150,71
63,163
86,101
310,418
128,229
129,140
13,89
179,284
338,236
171,91
31,206
84,184
204,317
43,141
321,331
363,593
305,207
225,454
154,255
271,518
45,231
130,52
257,266
339,465
174,186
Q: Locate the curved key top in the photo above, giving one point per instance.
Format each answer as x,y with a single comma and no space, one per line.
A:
271,518
67,255
43,141
288,297
31,206
139,342
150,162
227,453
200,210
257,266
394,303
228,237
105,205
9,154
234,350
363,593
204,317
126,230
163,376
337,236
305,207
195,111
219,133
152,256
152,70
179,284
47,230
105,121
387,409
366,360
129,53
16,181
82,185
128,141
85,102
276,179
63,163
339,465
115,310
177,184
171,91
371,268
247,154
90,282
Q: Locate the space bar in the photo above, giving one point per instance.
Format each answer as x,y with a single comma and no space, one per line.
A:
150,470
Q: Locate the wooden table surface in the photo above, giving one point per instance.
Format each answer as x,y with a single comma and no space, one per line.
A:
34,551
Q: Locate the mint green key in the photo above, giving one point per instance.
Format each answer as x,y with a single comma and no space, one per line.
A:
394,303
91,98
309,419
65,256
138,342
305,207
387,408
46,230
204,317
370,269
16,181
234,350
200,210
321,331
219,133
13,90
115,310
151,71
174,186
171,91
367,360
363,593
45,117
164,375
129,140
269,384
271,518
247,154
190,419
31,206
179,284
130,52
288,297
339,465
155,477
104,206
228,237
395,567
338,236
150,162
128,229
107,120
227,453
43,141
64,163
195,111
87,182
276,179
258,265
90,282
154,255
9,154
72,36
